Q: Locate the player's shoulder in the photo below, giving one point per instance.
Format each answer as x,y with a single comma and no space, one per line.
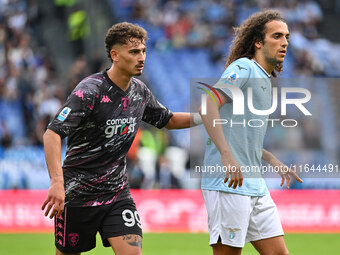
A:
93,81
89,88
91,84
138,82
240,68
139,85
242,65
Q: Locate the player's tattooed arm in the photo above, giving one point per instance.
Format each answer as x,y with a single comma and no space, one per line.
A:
56,175
133,240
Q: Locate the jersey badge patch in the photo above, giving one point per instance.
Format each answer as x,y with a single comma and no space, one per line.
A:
232,77
64,113
125,103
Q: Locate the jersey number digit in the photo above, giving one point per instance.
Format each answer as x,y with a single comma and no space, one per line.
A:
131,218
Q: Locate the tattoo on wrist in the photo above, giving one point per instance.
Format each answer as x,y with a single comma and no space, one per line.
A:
133,240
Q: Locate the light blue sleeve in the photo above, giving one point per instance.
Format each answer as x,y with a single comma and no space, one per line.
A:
236,75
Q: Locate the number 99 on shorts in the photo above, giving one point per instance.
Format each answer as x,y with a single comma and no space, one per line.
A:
131,218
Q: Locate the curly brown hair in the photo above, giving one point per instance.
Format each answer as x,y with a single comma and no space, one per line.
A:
252,30
123,32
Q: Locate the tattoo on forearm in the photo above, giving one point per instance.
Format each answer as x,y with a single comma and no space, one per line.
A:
133,240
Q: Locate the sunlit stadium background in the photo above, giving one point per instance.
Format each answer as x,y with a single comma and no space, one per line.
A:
47,47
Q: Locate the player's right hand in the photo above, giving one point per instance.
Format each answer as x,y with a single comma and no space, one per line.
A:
233,170
55,200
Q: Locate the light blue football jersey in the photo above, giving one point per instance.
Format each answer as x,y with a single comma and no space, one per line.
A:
244,132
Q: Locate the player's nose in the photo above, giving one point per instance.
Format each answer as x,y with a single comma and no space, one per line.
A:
141,57
284,42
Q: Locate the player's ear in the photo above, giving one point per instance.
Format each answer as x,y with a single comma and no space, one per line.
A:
114,55
258,45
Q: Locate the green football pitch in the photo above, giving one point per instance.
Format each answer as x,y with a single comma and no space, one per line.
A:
169,244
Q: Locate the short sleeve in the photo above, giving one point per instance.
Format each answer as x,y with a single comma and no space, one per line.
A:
155,113
76,108
237,74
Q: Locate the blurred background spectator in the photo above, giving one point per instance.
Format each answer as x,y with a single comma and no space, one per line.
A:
47,47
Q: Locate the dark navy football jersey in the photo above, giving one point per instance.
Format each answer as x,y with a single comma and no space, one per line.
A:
101,121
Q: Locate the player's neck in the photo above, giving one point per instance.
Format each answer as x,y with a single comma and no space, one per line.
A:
120,79
268,67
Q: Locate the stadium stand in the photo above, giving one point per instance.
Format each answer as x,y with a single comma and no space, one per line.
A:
188,39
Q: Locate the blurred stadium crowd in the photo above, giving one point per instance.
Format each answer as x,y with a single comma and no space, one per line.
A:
188,39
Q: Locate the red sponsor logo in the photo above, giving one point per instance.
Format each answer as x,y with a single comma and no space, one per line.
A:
177,211
124,129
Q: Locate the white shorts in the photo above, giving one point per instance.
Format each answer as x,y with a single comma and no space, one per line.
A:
238,219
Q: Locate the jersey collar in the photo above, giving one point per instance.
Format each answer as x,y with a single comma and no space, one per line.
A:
261,68
114,85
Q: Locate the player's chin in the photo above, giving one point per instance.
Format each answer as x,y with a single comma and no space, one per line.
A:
138,73
280,59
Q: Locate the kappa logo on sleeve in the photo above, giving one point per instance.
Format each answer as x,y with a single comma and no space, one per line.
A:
64,113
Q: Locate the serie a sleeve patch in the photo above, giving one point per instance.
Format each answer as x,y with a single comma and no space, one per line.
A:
64,113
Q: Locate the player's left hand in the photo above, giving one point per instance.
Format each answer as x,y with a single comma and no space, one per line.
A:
285,172
54,203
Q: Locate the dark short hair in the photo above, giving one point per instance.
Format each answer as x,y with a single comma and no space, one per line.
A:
121,33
